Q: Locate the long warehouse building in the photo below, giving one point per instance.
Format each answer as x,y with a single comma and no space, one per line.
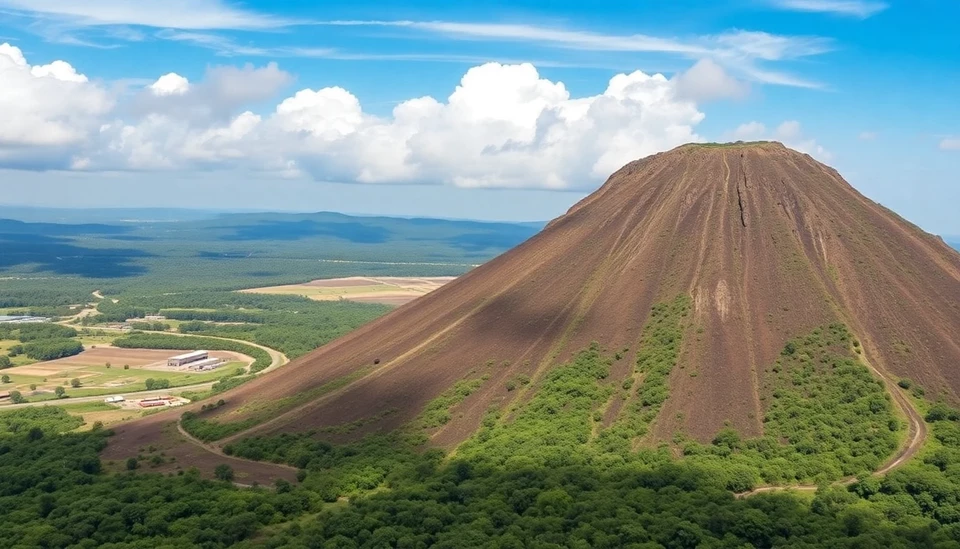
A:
205,364
187,358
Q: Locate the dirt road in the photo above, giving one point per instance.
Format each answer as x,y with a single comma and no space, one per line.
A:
217,451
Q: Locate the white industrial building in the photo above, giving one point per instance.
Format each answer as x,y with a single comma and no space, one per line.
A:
205,364
187,358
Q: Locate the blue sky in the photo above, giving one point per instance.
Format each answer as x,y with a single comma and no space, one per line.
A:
512,110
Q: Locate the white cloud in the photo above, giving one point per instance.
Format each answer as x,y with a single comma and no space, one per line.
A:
504,126
854,8
175,14
790,133
218,95
751,131
868,136
170,84
45,105
950,144
707,80
328,114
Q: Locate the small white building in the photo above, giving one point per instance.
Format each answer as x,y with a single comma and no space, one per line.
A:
113,399
187,358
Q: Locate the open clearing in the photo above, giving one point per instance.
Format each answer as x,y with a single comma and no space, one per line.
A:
387,290
148,359
38,381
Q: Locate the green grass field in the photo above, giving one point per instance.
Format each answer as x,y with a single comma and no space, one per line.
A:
100,380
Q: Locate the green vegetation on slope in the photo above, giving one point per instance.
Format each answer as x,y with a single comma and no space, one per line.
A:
658,353
48,419
554,424
826,417
437,412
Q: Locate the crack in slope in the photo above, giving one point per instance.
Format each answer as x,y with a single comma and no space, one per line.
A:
743,175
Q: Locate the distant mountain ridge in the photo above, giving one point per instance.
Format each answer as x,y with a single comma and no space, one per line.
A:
31,214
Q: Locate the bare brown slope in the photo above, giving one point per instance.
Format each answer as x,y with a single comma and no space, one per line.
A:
767,241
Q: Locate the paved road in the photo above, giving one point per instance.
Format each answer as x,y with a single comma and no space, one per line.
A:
99,398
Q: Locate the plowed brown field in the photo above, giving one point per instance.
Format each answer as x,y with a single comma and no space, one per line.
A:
768,243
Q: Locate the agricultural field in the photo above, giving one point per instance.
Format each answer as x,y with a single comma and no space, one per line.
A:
387,290
107,370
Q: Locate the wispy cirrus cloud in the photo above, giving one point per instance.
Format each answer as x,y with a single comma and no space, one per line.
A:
111,23
758,44
211,24
950,144
173,14
740,50
572,39
228,47
850,8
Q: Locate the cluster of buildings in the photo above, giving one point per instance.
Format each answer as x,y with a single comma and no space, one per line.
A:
149,402
196,360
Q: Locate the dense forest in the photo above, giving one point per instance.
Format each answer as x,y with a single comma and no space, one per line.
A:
55,492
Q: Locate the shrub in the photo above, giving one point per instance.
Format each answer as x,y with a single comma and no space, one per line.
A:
74,383
905,383
59,391
223,472
157,384
16,397
132,464
941,412
5,361
5,379
126,366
